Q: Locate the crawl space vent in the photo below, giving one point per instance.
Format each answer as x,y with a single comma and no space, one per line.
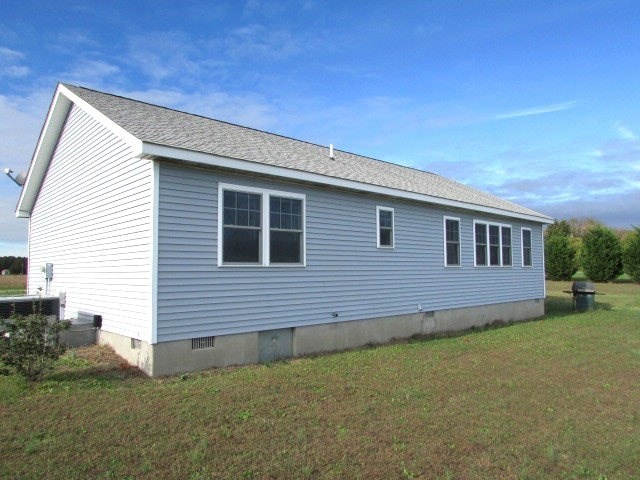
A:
202,342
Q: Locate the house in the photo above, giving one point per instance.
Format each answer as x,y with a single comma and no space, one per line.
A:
200,243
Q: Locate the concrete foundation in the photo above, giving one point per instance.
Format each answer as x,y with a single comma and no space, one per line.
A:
345,335
168,358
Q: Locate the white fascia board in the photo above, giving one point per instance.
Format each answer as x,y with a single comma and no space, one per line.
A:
63,98
127,137
44,149
155,150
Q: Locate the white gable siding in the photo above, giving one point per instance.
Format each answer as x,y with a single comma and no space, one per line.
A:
93,221
345,273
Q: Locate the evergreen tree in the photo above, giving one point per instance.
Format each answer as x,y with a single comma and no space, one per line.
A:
601,254
631,255
560,257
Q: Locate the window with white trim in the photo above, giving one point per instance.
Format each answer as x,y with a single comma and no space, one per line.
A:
527,260
260,227
285,229
492,244
385,227
506,246
241,227
451,242
480,234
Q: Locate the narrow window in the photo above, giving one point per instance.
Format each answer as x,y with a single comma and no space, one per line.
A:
494,245
452,242
526,248
506,246
481,243
285,230
385,227
241,227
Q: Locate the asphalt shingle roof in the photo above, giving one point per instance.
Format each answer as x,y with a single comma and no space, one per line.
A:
172,128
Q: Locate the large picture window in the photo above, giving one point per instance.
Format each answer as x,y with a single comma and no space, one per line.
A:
260,227
492,244
452,242
527,260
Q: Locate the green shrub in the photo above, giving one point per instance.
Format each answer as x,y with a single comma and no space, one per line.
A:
29,344
631,255
601,255
560,257
561,228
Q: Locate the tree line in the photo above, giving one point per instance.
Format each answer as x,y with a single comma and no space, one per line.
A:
602,253
15,265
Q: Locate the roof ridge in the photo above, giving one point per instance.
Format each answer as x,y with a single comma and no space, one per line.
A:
286,137
185,131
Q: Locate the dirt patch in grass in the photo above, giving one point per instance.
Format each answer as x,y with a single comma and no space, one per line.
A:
556,398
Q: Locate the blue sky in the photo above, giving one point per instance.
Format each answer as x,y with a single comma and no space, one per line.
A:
535,101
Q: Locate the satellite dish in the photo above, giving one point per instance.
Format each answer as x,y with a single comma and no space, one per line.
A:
21,178
18,179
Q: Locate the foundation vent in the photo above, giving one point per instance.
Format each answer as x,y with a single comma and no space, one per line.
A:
202,342
136,344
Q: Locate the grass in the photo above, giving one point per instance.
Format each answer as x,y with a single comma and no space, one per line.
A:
579,275
13,285
556,398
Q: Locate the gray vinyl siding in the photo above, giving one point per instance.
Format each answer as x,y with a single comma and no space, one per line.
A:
93,220
345,273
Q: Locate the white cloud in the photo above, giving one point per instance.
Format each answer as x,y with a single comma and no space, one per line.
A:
10,63
19,130
21,120
527,112
257,41
16,71
624,132
8,54
244,109
166,55
91,73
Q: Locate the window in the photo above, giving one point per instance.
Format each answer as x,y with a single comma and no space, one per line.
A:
260,227
242,230
451,242
385,227
492,244
526,248
285,230
481,243
506,246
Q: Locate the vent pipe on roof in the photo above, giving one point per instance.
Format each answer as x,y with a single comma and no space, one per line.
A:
331,151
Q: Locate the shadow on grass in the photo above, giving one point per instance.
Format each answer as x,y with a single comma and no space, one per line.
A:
559,306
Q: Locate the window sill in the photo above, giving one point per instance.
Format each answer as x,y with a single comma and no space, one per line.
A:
259,265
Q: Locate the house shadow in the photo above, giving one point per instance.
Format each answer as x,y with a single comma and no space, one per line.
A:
561,305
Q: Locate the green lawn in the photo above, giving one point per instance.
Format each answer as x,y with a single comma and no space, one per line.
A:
555,398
